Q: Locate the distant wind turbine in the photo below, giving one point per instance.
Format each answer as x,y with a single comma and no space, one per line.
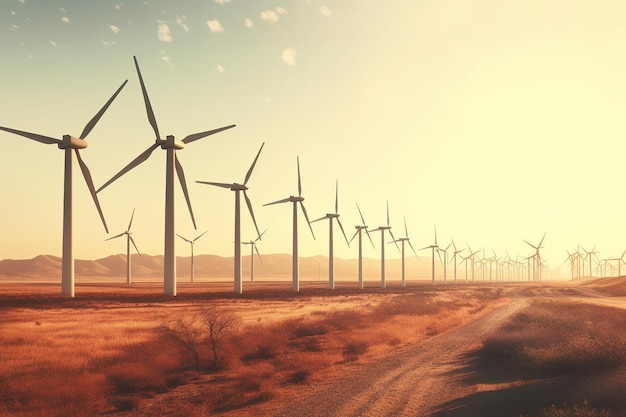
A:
402,240
237,188
253,248
170,144
295,201
538,266
383,282
129,240
67,144
359,230
331,257
192,242
433,247
455,253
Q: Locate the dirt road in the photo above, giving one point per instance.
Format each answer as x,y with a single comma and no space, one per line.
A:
414,381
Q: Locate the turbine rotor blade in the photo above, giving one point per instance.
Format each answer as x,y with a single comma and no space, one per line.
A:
284,200
321,218
183,184
406,231
141,158
299,181
249,204
337,197
393,237
133,242
353,236
359,208
92,189
198,237
370,238
89,126
146,100
387,212
342,231
249,173
216,184
541,241
116,236
306,216
184,238
131,220
258,254
34,136
259,237
412,248
196,136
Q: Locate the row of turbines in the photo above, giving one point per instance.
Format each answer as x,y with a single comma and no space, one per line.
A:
72,145
581,264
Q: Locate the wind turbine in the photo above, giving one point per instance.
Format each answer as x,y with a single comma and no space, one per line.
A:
445,260
330,217
591,253
170,144
433,247
129,240
67,144
538,267
295,201
237,188
359,230
253,248
407,240
382,229
455,253
619,260
192,242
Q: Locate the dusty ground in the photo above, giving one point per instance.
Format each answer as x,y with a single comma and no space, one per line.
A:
435,377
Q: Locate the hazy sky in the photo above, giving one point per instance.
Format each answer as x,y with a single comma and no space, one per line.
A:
494,120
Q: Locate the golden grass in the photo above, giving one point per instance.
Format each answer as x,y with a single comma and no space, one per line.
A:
104,354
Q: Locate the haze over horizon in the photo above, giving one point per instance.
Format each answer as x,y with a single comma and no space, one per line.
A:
494,121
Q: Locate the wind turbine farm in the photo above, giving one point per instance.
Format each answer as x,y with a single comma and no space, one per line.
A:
493,121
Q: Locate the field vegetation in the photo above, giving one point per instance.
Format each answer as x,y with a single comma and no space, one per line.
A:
571,356
143,355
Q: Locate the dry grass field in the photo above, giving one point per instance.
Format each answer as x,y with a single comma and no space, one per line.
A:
130,351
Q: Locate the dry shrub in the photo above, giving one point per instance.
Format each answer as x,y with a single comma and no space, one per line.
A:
310,329
575,411
262,352
352,350
238,392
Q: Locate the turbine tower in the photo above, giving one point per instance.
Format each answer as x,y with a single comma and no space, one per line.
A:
295,201
68,144
433,247
238,188
331,257
383,282
253,248
173,168
455,253
359,230
192,242
129,240
402,240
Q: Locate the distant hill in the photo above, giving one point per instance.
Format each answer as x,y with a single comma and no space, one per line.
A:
273,266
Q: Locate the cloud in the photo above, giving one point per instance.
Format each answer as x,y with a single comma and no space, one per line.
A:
281,10
181,22
164,32
325,11
221,1
165,57
219,68
289,56
65,19
13,13
118,7
22,1
13,28
53,43
215,26
114,29
269,16
248,22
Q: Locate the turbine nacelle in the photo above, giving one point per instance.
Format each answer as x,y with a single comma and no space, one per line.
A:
171,142
70,142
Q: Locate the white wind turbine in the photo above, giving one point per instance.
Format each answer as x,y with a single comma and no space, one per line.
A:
537,276
295,201
445,261
455,253
331,257
238,188
433,247
359,230
68,144
192,242
173,168
383,282
253,248
129,240
402,240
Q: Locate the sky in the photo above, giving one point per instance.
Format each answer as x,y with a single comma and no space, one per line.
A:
493,121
